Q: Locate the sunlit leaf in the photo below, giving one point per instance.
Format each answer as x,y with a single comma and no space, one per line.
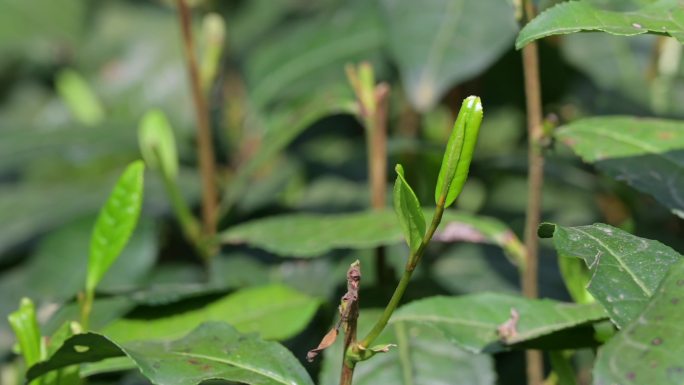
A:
661,17
115,223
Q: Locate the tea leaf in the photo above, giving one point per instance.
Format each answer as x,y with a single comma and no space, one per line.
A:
645,153
310,235
422,356
274,311
625,270
437,44
459,151
157,143
408,210
212,351
115,223
471,321
25,326
664,17
650,348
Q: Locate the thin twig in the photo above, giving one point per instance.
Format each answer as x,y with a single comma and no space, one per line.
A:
535,365
349,320
205,146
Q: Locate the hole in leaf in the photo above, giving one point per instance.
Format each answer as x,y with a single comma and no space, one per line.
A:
81,348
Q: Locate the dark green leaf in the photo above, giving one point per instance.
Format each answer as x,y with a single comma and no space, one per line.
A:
662,17
472,321
438,43
650,348
408,210
625,270
115,223
645,153
421,356
275,312
310,235
459,152
212,351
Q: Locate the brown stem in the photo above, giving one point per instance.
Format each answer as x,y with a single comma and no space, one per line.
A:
535,365
205,147
350,318
376,127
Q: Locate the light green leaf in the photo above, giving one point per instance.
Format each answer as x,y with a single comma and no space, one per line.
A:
79,97
650,348
645,153
421,356
665,17
408,210
439,43
157,143
275,312
625,270
212,351
576,277
310,235
115,223
459,151
472,321
25,326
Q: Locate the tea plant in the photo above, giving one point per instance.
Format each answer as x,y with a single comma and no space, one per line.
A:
269,219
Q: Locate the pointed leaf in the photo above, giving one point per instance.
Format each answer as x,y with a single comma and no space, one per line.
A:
408,210
645,153
274,311
212,351
649,349
26,330
661,17
310,235
625,270
459,151
157,143
115,223
472,321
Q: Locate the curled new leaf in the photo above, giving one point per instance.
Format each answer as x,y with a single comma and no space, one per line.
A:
459,152
157,143
79,97
25,326
408,210
115,223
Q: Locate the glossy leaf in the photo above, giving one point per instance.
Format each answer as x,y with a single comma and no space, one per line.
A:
625,269
212,351
157,143
472,321
649,349
645,153
459,152
274,311
422,356
115,223
438,43
409,212
310,235
665,17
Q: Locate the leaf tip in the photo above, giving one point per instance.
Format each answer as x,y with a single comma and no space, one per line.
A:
546,230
